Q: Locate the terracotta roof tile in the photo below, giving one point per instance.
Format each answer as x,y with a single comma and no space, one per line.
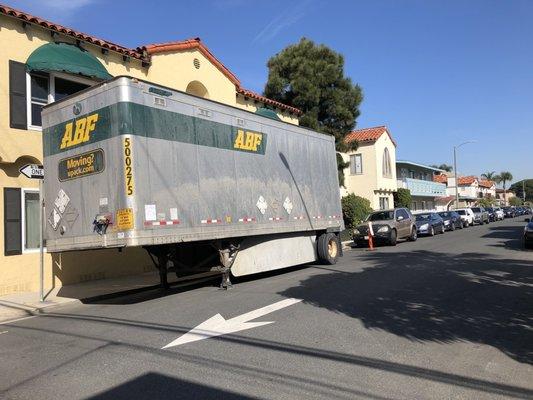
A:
189,44
440,178
266,100
466,180
368,135
9,11
486,183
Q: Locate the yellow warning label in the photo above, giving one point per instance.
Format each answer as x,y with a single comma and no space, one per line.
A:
124,220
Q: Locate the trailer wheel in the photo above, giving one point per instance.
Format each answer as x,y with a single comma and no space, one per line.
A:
328,247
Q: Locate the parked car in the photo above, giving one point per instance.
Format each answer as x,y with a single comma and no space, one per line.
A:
528,233
388,227
500,215
528,210
429,223
492,213
509,212
451,219
467,215
480,215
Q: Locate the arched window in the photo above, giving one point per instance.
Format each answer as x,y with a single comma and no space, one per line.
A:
197,89
386,165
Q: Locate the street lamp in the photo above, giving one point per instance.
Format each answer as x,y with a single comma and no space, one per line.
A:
455,170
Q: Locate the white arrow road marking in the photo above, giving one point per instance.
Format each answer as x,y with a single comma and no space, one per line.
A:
218,325
1,333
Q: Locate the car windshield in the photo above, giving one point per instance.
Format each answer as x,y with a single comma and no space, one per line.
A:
423,217
461,212
381,216
445,214
476,209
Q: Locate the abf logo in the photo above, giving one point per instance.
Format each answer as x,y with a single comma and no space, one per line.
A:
81,133
250,141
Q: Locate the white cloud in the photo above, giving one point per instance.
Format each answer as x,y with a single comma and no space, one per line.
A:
288,17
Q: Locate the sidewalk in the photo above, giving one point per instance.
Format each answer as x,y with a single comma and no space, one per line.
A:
19,305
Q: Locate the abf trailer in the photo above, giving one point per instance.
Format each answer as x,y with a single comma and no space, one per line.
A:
202,186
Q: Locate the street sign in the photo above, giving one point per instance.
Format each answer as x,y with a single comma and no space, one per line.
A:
33,171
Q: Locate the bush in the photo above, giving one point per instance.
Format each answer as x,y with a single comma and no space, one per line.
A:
354,210
484,202
515,201
402,198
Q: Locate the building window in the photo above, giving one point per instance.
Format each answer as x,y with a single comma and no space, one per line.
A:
30,219
413,206
383,203
412,174
356,164
387,170
46,88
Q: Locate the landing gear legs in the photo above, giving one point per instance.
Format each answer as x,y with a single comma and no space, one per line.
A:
162,266
226,282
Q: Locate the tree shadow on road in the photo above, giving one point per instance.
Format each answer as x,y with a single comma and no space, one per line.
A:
511,237
428,296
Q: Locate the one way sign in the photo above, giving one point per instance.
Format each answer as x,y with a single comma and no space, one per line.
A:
33,171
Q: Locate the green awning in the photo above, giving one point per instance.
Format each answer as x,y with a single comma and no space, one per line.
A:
267,112
64,57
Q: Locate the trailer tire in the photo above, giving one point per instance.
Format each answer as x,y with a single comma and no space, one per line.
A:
328,248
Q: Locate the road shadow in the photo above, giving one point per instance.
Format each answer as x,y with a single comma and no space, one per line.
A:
510,237
428,296
153,385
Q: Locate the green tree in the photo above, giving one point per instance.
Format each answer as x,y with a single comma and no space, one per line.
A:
402,198
354,210
504,177
485,202
311,77
489,175
445,167
515,201
519,190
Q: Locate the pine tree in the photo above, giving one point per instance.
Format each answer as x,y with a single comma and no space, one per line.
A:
311,77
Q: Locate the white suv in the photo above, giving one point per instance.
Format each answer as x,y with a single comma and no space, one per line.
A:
499,213
467,215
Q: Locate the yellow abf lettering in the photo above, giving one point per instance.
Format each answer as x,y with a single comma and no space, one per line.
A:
81,134
247,140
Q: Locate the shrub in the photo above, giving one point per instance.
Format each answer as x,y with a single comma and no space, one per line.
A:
484,202
515,201
354,210
402,198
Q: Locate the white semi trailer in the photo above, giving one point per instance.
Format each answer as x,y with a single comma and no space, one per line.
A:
199,184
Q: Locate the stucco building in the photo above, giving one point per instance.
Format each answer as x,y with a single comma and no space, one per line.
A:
372,170
418,178
42,62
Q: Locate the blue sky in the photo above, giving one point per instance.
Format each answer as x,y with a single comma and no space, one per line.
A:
437,73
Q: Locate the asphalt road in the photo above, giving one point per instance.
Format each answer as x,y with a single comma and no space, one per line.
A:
449,317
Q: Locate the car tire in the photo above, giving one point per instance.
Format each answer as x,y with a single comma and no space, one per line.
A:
328,248
432,231
442,229
393,238
414,235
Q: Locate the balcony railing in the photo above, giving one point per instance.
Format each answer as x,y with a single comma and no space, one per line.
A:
419,187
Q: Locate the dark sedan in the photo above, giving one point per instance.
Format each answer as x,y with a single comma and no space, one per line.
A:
429,223
451,219
508,212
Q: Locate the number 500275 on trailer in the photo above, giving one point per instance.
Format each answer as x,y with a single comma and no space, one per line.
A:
202,186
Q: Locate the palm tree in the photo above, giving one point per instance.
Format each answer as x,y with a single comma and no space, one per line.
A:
490,176
505,177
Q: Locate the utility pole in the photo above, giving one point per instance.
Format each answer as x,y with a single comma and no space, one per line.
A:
455,171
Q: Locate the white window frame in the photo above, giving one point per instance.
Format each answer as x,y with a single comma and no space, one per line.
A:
23,192
51,91
355,164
